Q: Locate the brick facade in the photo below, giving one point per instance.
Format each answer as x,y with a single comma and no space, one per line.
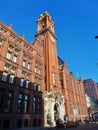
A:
91,88
31,78
21,76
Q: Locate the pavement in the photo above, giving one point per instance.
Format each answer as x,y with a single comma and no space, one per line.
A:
89,126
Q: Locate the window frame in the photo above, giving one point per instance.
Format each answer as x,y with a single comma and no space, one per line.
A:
4,77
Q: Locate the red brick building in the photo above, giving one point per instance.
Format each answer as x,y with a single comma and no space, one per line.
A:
35,87
91,88
21,76
74,95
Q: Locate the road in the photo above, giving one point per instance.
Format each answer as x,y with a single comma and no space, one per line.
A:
90,126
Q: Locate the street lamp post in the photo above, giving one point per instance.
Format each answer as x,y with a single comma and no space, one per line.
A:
96,37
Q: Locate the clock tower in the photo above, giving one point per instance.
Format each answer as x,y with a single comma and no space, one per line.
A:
53,99
46,35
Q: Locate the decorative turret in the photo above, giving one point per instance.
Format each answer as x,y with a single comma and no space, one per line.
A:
45,22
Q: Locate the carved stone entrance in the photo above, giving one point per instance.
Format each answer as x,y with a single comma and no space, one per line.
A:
54,108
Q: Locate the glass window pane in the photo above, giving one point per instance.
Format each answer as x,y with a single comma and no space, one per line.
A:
26,97
21,82
29,66
9,94
8,56
4,76
19,105
20,96
35,87
15,59
7,106
24,63
39,88
33,107
11,80
6,67
25,106
27,84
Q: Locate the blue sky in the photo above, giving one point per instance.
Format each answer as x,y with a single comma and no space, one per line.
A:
76,25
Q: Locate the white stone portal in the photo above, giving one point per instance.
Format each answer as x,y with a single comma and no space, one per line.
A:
54,107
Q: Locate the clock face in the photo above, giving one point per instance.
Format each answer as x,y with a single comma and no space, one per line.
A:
42,37
52,39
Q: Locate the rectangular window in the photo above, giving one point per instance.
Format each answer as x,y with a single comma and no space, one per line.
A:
54,78
35,69
15,59
23,73
28,76
7,107
24,63
10,48
21,82
16,51
20,98
37,105
2,95
8,56
62,86
35,87
34,105
1,41
11,80
6,100
6,67
12,37
25,106
29,66
39,71
39,88
4,76
27,84
13,70
23,103
26,103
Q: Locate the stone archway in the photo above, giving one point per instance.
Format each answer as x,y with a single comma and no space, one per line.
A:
54,108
